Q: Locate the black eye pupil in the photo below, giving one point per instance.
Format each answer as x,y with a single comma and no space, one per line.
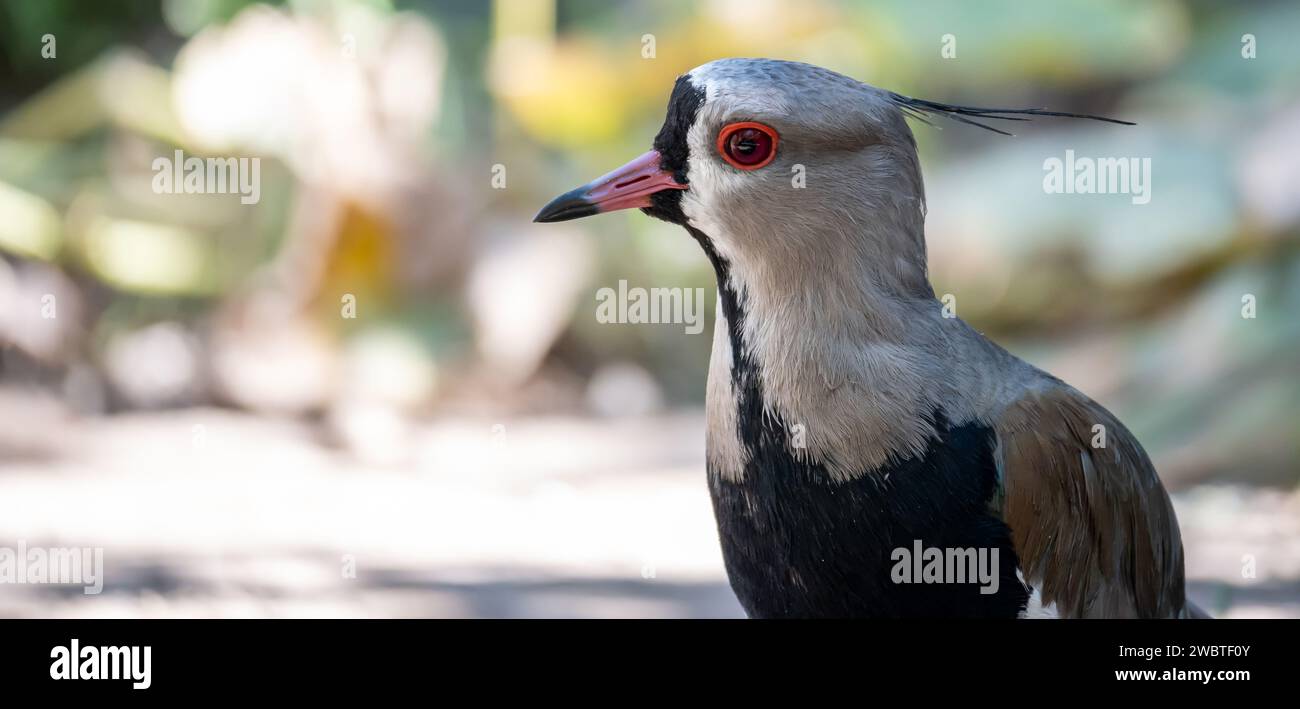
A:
746,146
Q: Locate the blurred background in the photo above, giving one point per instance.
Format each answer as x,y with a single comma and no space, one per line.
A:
381,391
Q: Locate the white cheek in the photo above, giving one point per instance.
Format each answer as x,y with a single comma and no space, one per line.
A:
705,202
700,216
713,186
704,205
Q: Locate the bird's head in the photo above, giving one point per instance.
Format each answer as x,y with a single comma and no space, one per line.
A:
777,165
751,143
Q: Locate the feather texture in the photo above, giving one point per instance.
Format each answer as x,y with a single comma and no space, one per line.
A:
1092,525
920,108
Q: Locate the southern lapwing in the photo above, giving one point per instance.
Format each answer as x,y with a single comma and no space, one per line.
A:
865,452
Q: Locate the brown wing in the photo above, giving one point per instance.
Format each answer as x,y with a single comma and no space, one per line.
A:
1093,527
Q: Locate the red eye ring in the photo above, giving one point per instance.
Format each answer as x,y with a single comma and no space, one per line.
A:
764,138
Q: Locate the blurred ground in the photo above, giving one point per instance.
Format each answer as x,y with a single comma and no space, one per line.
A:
210,513
548,518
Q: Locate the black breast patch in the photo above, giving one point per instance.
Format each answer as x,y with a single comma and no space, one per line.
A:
798,545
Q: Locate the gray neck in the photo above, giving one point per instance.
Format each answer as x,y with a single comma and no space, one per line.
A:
850,346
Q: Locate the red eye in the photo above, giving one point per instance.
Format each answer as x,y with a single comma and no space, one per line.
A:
748,145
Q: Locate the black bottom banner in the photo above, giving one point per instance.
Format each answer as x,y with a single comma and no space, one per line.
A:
205,658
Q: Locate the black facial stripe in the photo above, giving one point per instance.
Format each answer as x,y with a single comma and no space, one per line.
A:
683,106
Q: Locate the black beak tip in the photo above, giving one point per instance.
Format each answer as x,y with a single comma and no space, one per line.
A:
570,205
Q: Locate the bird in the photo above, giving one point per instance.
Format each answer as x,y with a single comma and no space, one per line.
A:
854,429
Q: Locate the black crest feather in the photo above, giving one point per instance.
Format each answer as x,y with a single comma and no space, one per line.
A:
922,110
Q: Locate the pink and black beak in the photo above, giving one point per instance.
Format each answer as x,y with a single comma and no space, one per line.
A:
627,187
